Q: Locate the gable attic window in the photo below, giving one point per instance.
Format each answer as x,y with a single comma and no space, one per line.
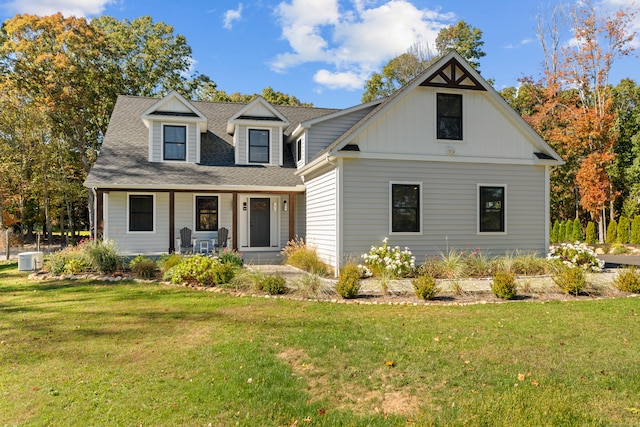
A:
405,207
175,142
141,216
449,120
258,146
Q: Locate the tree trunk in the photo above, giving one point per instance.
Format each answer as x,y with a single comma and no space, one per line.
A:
72,228
91,207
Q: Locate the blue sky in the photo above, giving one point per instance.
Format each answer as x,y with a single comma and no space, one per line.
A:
322,51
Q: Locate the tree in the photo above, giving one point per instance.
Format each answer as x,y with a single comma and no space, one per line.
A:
578,236
462,37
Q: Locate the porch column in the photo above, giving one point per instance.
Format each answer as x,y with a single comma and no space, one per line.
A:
292,216
99,225
172,221
234,225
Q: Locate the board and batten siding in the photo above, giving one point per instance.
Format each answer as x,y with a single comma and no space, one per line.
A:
322,214
449,203
140,242
323,134
409,128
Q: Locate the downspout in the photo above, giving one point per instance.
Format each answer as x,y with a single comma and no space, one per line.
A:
94,232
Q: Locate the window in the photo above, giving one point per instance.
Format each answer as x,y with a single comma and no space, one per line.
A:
206,213
175,142
405,208
492,209
140,212
258,146
299,149
449,123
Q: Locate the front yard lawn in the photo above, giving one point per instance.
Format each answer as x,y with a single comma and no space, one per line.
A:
95,353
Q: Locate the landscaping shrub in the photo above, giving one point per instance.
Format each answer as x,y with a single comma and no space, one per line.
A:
103,256
388,261
568,230
75,266
529,264
571,280
274,285
231,257
200,270
577,236
612,232
167,261
623,231
425,287
312,286
479,264
299,255
143,267
504,285
57,261
555,231
562,232
591,235
348,284
635,230
628,280
575,255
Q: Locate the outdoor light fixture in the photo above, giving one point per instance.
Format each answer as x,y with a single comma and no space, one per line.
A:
285,207
244,206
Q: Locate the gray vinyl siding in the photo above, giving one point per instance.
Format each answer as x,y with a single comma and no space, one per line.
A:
450,206
300,216
324,133
185,215
322,215
284,223
242,144
192,151
142,242
156,142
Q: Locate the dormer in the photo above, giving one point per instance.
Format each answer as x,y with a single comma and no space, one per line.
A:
257,131
175,126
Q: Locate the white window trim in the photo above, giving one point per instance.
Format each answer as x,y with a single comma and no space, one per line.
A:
155,211
505,207
420,206
301,153
186,142
195,211
435,117
250,128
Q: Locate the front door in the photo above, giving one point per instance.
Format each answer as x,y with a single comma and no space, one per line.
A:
259,222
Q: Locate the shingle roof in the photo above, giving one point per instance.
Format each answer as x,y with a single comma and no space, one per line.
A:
123,160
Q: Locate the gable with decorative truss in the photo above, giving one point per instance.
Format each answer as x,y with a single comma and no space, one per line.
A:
453,75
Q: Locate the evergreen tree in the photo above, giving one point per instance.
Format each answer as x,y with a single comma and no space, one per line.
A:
635,230
591,233
568,231
623,230
577,235
562,232
555,231
612,232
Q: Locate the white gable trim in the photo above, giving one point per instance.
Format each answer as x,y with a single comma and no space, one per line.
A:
148,116
278,119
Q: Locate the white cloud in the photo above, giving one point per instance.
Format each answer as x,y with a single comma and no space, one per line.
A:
232,15
353,37
523,42
338,80
50,7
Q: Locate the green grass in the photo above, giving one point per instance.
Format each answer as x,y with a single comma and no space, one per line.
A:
89,353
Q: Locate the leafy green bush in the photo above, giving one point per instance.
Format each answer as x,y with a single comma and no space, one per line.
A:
143,267
167,261
385,260
628,280
273,285
348,284
200,270
57,262
504,285
591,235
425,287
562,232
568,230
299,255
577,236
230,257
104,257
571,280
75,266
555,231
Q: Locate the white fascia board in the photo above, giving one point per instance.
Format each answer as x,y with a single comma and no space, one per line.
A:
444,159
222,188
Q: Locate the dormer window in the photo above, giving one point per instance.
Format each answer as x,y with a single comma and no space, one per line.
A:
174,139
449,120
259,146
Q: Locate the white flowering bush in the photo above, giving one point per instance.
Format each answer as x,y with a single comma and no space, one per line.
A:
576,255
385,260
364,271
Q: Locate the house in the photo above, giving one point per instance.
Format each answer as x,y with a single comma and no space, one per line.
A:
442,163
